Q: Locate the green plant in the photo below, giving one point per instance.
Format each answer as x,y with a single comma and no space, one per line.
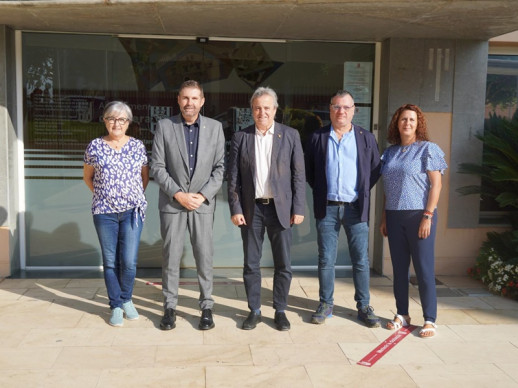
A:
499,168
497,262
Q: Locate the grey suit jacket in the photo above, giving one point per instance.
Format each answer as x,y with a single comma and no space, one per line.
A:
170,165
287,175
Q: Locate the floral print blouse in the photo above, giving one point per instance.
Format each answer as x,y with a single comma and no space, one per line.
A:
117,179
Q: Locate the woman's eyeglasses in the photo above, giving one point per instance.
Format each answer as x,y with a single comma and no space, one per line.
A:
120,120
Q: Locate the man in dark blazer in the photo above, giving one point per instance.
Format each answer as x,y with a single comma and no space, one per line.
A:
342,165
266,191
188,164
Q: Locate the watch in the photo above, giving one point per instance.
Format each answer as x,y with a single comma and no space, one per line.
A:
427,216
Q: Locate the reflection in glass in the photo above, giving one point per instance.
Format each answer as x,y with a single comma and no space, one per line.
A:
69,78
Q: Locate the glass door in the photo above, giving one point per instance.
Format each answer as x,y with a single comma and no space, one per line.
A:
69,78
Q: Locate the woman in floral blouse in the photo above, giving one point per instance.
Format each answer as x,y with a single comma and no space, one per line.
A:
412,169
116,170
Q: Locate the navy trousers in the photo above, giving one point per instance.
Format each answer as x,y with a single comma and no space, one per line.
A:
265,219
405,245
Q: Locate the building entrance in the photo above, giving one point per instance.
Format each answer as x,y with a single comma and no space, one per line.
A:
68,78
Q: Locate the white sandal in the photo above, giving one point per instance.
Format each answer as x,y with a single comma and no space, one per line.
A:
427,329
398,325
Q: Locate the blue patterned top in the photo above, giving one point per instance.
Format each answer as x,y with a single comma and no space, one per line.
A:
118,176
405,178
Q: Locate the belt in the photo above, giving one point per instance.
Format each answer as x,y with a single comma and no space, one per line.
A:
337,203
264,201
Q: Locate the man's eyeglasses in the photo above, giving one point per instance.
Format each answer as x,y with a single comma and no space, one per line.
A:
120,120
344,107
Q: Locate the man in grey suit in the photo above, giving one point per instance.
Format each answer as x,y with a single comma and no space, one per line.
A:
266,191
188,164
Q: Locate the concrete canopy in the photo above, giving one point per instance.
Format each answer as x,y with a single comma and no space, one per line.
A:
349,20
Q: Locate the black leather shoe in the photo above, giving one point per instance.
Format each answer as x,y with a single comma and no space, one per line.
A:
251,321
206,321
168,320
281,322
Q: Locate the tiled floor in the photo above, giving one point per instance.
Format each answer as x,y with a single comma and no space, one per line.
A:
54,333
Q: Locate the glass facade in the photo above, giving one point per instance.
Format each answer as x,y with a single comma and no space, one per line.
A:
68,78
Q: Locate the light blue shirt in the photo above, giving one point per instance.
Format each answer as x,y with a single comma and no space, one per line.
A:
405,174
342,167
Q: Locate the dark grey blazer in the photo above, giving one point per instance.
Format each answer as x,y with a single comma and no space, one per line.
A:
170,165
287,176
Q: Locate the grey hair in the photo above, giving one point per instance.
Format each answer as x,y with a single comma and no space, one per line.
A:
341,93
261,91
117,106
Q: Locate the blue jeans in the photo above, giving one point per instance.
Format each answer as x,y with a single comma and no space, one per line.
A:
328,229
119,236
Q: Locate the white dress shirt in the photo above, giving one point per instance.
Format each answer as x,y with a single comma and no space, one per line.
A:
263,158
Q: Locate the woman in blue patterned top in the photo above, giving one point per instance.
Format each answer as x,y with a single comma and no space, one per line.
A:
412,169
116,170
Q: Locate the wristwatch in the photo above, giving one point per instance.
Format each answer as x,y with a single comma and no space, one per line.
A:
427,216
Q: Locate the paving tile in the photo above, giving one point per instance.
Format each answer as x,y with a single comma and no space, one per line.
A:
17,283
28,358
453,317
257,376
12,293
46,293
485,333
77,378
86,283
500,303
16,306
83,305
181,335
330,333
494,316
510,369
153,377
105,357
481,352
11,337
459,375
462,302
202,355
29,320
347,376
50,326
228,331
459,282
297,354
37,338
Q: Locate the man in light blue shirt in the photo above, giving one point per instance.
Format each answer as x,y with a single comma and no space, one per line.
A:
342,165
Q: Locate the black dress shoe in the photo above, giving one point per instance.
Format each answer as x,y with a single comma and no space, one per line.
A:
281,322
168,320
251,321
206,321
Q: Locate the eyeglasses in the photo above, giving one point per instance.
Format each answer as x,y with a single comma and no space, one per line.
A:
344,107
120,120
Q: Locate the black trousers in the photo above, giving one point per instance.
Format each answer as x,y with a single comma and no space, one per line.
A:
265,219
